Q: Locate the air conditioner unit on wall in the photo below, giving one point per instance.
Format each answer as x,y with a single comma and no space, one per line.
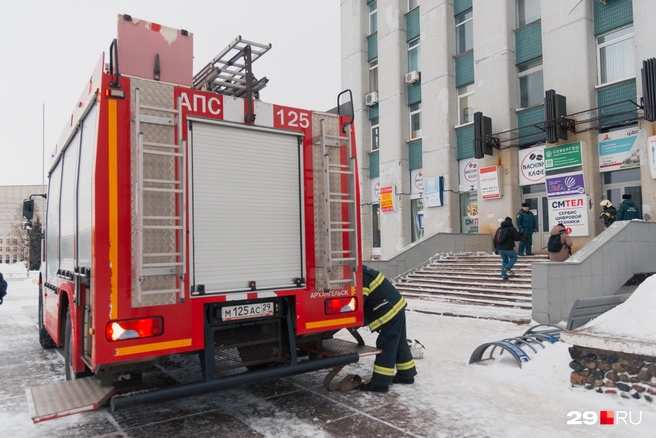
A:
371,99
412,77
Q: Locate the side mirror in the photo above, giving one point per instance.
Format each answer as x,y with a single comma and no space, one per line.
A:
28,209
345,105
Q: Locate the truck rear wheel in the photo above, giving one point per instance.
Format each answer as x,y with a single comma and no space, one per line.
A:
68,351
44,338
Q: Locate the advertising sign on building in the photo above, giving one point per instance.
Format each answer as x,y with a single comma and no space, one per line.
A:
572,212
375,190
416,182
651,152
563,156
387,199
531,166
619,150
433,191
468,174
566,184
470,212
490,182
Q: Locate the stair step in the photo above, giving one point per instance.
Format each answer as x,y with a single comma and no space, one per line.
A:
465,294
489,290
526,278
472,302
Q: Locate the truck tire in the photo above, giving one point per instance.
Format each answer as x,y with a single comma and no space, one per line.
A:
44,338
68,351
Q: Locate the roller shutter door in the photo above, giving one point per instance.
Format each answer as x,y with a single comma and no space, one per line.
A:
246,208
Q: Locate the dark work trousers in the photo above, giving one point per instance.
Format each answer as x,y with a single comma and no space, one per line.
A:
392,340
526,243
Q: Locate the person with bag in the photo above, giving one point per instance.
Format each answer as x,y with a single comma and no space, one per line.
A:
3,288
527,223
608,215
384,312
559,244
504,245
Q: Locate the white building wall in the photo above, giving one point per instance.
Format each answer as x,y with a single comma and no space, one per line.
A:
439,113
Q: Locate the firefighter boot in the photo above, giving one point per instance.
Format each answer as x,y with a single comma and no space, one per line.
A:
403,379
372,387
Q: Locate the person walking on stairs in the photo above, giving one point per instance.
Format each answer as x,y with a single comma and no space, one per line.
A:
504,245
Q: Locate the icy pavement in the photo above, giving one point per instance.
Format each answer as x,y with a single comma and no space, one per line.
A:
449,399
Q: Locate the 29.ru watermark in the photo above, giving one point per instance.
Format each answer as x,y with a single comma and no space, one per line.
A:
605,417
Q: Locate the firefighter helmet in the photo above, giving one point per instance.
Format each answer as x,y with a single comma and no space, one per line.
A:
606,203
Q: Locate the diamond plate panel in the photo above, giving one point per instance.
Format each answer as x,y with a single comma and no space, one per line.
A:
66,398
331,125
155,203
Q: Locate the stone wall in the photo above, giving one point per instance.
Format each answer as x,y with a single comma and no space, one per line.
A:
614,373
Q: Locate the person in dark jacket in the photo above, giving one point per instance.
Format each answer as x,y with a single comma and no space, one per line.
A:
527,223
384,312
608,215
504,245
3,288
628,210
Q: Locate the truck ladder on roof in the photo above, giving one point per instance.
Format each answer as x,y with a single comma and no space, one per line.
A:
174,263
224,75
334,225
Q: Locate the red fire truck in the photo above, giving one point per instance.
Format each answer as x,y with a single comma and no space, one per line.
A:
184,215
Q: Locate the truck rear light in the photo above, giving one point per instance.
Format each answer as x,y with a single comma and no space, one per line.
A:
341,305
134,328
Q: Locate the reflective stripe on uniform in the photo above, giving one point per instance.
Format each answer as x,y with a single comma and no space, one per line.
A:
377,282
365,291
405,366
388,316
384,371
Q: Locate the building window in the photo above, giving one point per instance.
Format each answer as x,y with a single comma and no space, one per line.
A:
413,55
464,32
616,56
373,76
528,11
415,121
412,4
373,17
531,85
375,140
375,225
466,104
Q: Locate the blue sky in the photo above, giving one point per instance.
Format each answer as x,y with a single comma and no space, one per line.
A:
50,47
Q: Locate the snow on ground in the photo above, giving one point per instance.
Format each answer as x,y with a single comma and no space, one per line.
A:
450,398
436,306
634,319
14,270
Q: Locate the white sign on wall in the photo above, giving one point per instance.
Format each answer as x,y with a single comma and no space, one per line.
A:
572,212
468,174
531,166
651,152
434,191
375,190
416,182
490,182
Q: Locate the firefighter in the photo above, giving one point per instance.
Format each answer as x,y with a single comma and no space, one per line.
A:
384,312
608,215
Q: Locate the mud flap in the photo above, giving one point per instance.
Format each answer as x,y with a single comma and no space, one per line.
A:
66,398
